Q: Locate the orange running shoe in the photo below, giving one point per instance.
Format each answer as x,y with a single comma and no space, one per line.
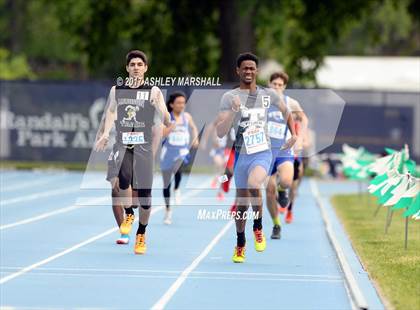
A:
259,240
239,254
281,209
125,227
289,217
140,246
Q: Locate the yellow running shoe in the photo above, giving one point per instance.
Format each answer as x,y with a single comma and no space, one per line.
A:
239,254
140,246
125,227
259,241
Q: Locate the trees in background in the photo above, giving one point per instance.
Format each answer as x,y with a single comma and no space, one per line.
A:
80,39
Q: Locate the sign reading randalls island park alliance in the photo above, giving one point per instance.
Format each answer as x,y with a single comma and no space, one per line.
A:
41,121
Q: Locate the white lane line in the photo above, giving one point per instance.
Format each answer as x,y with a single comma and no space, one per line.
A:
22,185
49,214
161,303
356,295
53,257
43,194
55,192
116,275
62,253
122,270
73,248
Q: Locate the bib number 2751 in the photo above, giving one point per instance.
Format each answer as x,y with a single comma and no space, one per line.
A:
255,141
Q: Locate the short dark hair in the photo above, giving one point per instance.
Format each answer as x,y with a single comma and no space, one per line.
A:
136,54
246,56
280,75
173,97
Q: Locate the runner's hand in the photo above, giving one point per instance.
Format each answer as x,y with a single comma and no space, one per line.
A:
289,143
169,128
172,126
102,142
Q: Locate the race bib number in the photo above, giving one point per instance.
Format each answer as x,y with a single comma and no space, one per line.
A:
276,130
178,138
255,140
133,138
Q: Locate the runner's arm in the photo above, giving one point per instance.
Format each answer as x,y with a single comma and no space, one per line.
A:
110,116
299,115
167,129
159,102
208,131
229,107
111,112
157,136
301,122
224,122
287,115
194,130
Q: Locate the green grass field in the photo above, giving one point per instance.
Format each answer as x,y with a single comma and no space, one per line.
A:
395,271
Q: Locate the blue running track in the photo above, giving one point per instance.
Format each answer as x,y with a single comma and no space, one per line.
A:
56,254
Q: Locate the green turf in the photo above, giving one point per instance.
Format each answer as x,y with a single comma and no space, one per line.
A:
395,270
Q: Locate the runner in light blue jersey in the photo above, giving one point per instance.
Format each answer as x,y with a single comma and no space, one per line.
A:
176,148
282,172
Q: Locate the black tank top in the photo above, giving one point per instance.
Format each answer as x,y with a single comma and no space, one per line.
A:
135,114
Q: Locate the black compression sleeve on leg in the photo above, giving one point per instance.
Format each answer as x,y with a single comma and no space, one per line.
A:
167,186
240,240
178,177
142,229
145,198
167,195
257,224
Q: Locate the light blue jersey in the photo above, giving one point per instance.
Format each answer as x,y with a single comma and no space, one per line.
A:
176,146
278,133
277,126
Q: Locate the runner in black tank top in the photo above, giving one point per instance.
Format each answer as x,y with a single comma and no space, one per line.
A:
132,109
